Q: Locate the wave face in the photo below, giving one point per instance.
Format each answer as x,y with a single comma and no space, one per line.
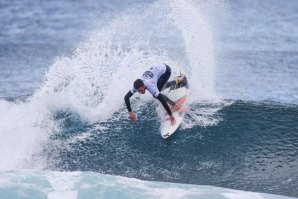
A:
240,130
254,147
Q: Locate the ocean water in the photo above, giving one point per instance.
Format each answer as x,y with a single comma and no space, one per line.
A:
66,66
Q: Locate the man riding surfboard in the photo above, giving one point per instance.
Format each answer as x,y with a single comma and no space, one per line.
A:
152,80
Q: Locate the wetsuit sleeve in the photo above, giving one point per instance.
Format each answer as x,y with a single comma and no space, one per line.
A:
165,105
127,102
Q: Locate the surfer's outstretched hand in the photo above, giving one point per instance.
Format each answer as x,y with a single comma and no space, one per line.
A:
132,116
172,119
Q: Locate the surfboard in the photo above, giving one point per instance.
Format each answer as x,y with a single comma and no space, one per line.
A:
176,93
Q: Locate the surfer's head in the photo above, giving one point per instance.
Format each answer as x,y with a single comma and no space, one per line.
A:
139,86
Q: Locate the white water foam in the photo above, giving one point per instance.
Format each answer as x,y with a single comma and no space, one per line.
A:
75,185
25,126
76,84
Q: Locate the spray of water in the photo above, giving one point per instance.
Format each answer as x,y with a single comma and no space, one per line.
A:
199,48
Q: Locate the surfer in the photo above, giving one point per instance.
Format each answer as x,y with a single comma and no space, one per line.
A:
152,80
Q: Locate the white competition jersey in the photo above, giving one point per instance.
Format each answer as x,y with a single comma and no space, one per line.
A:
150,78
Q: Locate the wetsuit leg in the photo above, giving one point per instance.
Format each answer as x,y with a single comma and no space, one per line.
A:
161,83
164,78
169,84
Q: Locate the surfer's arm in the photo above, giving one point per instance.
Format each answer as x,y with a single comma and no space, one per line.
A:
165,105
127,101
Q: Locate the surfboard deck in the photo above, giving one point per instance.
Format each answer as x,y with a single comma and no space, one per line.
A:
178,94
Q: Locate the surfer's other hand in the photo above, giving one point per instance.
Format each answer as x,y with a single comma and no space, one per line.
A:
172,119
132,116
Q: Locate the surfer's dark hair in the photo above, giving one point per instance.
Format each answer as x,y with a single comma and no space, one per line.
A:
138,83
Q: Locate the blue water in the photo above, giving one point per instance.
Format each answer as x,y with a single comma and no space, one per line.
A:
66,66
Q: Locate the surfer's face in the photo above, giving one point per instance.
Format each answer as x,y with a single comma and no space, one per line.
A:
141,90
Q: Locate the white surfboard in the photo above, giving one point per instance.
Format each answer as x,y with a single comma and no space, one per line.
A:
178,94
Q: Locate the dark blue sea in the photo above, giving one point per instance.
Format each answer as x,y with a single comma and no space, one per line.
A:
65,67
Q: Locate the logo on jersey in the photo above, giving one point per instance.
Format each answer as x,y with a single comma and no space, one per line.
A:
148,75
